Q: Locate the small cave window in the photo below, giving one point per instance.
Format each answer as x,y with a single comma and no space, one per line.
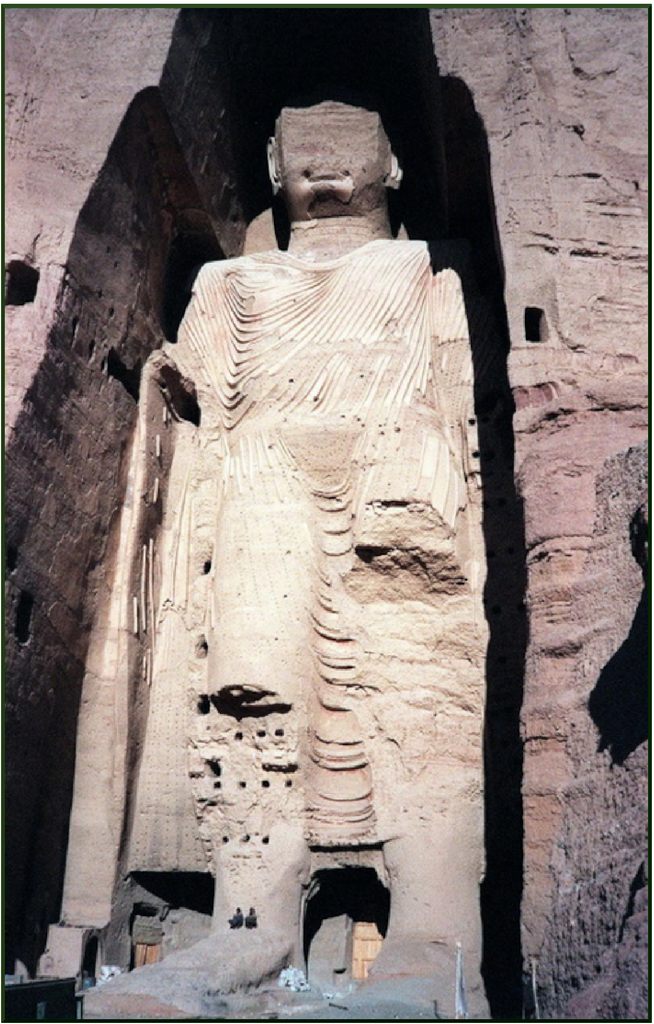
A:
265,784
21,282
129,378
180,396
534,324
206,568
214,767
204,704
201,649
90,960
11,558
24,617
367,553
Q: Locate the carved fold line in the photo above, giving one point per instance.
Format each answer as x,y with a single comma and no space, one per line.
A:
406,382
406,287
449,319
337,494
335,633
292,305
383,363
337,675
423,472
291,354
328,296
207,343
338,531
142,616
349,809
177,534
151,594
336,371
414,374
260,454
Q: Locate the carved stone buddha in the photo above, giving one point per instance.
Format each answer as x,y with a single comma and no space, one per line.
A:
308,566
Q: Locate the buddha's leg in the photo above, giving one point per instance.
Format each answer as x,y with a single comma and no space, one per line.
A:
251,719
418,610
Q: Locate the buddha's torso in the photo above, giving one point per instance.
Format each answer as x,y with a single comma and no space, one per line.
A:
343,344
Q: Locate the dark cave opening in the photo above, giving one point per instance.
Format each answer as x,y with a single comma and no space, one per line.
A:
21,283
23,626
129,377
534,324
339,899
180,396
90,958
192,890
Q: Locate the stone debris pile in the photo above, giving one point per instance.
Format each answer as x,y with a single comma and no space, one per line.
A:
293,978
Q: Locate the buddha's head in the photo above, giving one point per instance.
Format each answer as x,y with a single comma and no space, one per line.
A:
332,159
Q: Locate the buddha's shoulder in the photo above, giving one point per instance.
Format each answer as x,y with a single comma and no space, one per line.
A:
278,259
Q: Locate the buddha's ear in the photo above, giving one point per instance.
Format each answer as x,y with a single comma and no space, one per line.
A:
274,170
394,177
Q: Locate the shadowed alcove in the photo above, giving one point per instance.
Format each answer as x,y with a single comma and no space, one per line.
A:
345,920
446,198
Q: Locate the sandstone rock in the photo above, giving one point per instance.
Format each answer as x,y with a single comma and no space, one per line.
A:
534,132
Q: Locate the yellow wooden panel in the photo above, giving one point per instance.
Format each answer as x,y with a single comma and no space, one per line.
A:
145,953
365,947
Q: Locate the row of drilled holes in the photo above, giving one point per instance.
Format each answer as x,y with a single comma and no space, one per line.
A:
260,732
216,768
265,784
246,839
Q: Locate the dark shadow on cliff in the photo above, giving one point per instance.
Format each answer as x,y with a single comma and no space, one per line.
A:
384,55
471,216
141,229
619,704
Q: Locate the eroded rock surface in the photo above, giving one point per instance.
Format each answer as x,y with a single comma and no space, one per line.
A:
565,121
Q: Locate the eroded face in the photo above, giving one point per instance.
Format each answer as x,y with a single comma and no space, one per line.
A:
331,160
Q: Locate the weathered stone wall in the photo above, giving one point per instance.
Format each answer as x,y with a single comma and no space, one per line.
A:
70,76
105,205
562,94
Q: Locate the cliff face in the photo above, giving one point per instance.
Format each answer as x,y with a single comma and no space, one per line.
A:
122,172
106,213
564,109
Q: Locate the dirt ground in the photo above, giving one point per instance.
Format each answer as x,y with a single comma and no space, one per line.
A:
401,1001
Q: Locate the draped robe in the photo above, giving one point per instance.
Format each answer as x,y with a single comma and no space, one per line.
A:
335,402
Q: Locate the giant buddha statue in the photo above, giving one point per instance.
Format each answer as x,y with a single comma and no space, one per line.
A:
304,571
